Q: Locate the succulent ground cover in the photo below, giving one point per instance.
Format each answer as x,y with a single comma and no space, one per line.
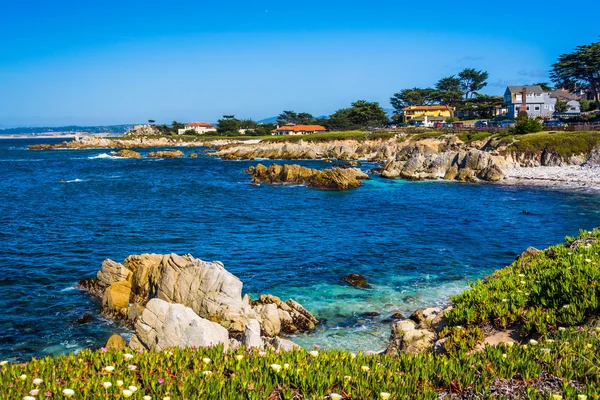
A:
553,295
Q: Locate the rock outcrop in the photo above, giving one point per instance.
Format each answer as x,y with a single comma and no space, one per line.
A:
163,325
126,153
329,179
407,338
143,131
166,154
205,289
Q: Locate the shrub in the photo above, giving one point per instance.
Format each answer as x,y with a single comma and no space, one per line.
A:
528,125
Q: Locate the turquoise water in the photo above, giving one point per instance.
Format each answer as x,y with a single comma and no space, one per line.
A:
416,242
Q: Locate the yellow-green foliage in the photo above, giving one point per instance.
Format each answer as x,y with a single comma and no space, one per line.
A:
556,287
564,144
211,374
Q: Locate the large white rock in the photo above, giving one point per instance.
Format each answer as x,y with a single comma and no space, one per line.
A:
251,337
206,287
163,325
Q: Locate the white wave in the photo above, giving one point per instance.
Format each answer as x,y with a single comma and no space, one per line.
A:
73,180
68,289
105,155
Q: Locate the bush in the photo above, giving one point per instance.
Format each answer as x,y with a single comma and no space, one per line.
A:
529,125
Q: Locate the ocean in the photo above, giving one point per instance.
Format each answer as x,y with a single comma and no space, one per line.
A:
63,212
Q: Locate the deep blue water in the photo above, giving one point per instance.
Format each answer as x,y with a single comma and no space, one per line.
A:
416,242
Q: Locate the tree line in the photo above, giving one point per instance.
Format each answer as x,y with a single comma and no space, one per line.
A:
578,70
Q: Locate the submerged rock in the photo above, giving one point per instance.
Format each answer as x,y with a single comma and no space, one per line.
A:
356,280
330,179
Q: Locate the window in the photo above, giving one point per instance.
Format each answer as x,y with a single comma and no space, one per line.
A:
545,106
527,108
537,108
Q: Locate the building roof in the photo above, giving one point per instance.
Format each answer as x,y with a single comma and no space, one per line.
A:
563,95
530,89
201,124
427,108
300,128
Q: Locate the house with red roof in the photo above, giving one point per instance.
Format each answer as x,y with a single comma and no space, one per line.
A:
293,129
200,127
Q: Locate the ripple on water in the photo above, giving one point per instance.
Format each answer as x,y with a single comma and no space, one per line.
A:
416,242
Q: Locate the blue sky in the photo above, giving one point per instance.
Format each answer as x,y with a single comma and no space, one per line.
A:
113,62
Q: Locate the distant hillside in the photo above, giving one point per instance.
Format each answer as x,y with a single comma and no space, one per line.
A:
65,129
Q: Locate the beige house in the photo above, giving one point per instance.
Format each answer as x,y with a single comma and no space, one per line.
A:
200,127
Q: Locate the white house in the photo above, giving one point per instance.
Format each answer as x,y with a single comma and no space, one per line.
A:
536,102
200,127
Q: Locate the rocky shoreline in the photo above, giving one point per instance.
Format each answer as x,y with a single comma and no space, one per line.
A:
406,157
180,301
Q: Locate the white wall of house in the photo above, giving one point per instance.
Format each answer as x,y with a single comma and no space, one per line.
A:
200,130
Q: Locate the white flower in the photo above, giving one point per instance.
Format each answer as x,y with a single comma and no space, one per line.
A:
23,377
588,260
286,366
109,368
581,397
347,377
166,398
28,398
276,367
37,381
314,353
207,373
533,342
352,355
549,340
522,275
504,300
68,392
147,397
133,388
561,328
566,306
510,344
262,353
384,395
119,383
106,384
34,392
545,350
504,355
365,368
556,397
3,363
239,357
127,393
206,360
335,396
128,356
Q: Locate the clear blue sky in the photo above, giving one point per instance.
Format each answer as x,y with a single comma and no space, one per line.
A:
127,61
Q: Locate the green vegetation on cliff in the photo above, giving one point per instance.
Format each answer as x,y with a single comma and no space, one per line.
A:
564,144
553,294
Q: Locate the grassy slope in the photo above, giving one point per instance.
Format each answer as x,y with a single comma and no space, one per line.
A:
564,144
551,293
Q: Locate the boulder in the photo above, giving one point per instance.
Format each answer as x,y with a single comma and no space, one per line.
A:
356,280
269,318
451,173
405,337
280,344
166,154
112,272
163,325
116,297
493,173
251,337
330,179
125,153
466,175
193,155
116,342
